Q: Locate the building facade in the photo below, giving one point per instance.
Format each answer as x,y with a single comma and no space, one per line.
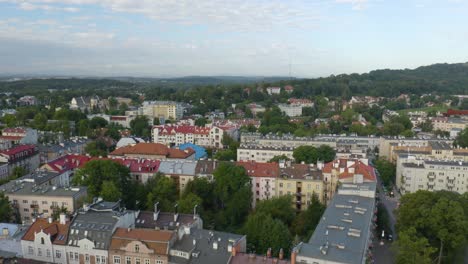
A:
175,135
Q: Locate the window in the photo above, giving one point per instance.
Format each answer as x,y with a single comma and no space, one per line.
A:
71,256
39,252
128,260
76,256
103,259
42,241
137,248
98,259
58,254
159,261
116,259
30,250
48,253
44,202
87,258
147,261
25,201
137,261
26,209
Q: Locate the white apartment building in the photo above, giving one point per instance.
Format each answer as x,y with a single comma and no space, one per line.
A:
291,110
262,154
432,175
175,135
162,109
448,123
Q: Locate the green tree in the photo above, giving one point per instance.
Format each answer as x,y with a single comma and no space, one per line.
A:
110,191
113,103
426,126
83,127
10,120
306,222
96,148
412,248
278,158
162,190
97,122
387,171
6,212
200,122
140,126
18,171
264,232
311,154
278,208
326,153
188,202
462,139
40,121
97,172
59,210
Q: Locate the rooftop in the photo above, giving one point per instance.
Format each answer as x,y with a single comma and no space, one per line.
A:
58,232
178,167
164,221
153,149
29,187
157,240
301,172
257,169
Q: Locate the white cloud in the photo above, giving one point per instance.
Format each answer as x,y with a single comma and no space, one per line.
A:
356,4
28,6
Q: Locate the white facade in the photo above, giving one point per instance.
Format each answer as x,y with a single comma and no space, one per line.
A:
432,175
291,110
178,135
262,154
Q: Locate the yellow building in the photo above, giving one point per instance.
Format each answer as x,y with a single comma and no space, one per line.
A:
301,181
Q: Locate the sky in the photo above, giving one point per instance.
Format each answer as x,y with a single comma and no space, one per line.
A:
169,38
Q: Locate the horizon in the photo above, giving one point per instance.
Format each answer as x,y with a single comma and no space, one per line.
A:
302,39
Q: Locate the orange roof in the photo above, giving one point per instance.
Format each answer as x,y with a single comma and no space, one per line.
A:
257,169
153,149
158,240
58,232
343,165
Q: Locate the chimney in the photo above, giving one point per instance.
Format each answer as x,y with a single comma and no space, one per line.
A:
50,219
268,253
281,254
176,212
156,212
195,211
5,232
233,251
293,256
63,218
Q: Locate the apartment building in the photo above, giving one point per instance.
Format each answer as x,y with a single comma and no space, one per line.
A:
432,175
31,200
91,231
273,90
162,109
344,233
152,151
25,156
291,110
18,135
301,181
345,171
180,171
140,246
388,144
176,135
158,220
248,152
301,102
263,177
46,240
449,123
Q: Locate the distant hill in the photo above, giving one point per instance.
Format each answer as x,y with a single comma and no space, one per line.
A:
204,80
437,78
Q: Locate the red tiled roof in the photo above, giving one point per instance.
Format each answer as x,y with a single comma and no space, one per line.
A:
257,169
183,129
157,240
299,101
58,232
135,165
11,138
17,149
358,166
68,162
153,149
456,112
14,130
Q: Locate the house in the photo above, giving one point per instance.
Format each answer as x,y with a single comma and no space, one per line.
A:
179,170
49,152
206,168
27,100
301,102
46,240
25,156
129,245
152,151
91,230
17,135
86,103
289,88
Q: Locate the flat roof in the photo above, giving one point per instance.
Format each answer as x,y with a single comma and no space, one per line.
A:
21,187
342,233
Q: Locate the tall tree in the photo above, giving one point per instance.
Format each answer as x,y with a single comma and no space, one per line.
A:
462,139
6,212
140,126
412,248
163,190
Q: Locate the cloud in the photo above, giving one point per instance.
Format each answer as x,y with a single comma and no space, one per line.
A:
356,4
28,6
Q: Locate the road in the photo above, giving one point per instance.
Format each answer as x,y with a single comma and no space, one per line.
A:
383,253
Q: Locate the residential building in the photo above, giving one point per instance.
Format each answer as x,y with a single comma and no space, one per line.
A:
241,258
291,110
345,171
344,233
90,236
17,135
388,144
179,170
158,220
301,181
31,200
175,135
25,156
86,103
140,246
432,175
263,177
4,173
247,152
206,168
66,164
10,240
301,102
129,141
49,152
122,120
256,108
200,246
273,90
448,123
388,115
162,109
289,88
152,151
27,100
46,240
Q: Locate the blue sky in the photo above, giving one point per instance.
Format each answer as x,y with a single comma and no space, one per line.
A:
213,37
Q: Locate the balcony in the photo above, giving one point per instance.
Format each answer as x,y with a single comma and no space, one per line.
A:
34,206
431,176
450,184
